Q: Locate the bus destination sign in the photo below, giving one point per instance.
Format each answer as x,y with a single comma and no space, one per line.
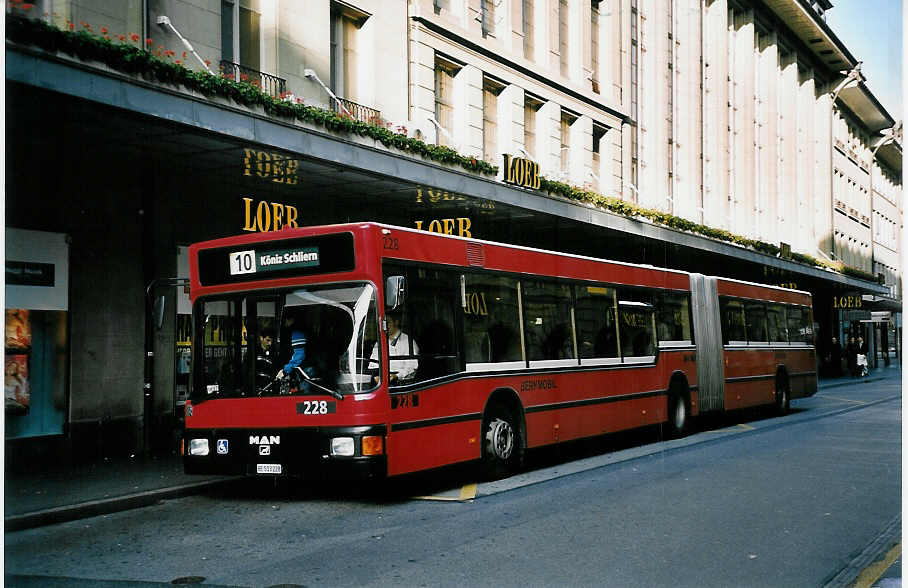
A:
277,258
252,261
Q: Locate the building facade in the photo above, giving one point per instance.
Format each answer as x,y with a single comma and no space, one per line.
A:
733,116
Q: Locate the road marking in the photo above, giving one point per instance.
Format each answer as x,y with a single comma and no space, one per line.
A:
468,492
745,427
872,573
840,399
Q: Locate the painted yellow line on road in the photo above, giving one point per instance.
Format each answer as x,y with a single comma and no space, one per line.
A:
468,492
840,399
872,573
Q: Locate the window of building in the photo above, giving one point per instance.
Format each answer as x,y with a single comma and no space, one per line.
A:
530,107
529,30
594,45
563,36
345,22
241,33
598,135
548,321
444,98
597,327
487,17
567,119
490,91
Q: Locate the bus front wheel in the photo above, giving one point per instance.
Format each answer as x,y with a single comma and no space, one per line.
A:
502,447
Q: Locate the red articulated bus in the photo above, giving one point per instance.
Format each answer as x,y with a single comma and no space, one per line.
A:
373,350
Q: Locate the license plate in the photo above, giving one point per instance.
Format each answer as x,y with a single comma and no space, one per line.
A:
267,468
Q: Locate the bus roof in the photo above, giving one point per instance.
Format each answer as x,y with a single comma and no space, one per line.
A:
725,285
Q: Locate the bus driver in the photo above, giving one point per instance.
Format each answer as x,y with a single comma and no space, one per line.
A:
398,346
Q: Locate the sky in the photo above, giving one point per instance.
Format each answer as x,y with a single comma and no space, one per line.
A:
872,32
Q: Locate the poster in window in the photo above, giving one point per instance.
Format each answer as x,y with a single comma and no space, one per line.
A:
18,329
16,383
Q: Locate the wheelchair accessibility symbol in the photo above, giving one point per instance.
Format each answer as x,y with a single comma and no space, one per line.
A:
223,447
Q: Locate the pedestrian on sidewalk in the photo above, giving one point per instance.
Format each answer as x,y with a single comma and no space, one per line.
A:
835,359
852,356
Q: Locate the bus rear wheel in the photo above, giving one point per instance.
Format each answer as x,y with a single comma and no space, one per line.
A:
502,450
678,413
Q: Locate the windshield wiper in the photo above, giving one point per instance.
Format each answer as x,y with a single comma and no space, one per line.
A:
312,382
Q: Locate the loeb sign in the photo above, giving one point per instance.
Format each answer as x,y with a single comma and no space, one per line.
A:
521,172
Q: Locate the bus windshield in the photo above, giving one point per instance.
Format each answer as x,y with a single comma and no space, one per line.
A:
312,340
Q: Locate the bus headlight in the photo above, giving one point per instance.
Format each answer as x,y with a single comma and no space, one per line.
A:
198,447
342,446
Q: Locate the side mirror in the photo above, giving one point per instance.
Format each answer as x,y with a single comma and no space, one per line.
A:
395,292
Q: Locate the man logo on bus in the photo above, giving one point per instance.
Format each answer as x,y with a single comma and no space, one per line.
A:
264,440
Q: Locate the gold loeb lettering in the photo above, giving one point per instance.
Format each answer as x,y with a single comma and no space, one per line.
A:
847,302
269,216
270,166
521,172
448,226
476,304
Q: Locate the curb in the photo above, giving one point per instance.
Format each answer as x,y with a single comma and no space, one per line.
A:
873,552
92,508
851,382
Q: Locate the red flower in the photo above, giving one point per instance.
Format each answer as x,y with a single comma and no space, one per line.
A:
134,37
148,41
178,62
103,30
72,26
243,77
122,38
27,6
184,55
207,62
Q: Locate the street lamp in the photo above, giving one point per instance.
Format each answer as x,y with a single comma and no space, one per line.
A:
310,74
851,78
164,23
634,189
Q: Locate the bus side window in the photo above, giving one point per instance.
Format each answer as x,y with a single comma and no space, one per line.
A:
432,299
547,321
793,318
755,317
673,319
733,326
491,319
597,331
778,328
636,323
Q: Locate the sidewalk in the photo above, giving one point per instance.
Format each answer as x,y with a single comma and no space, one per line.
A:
47,496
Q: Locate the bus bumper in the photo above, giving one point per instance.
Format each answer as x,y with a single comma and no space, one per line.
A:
299,452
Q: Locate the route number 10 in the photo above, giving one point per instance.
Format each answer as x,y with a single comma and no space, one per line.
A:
242,262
